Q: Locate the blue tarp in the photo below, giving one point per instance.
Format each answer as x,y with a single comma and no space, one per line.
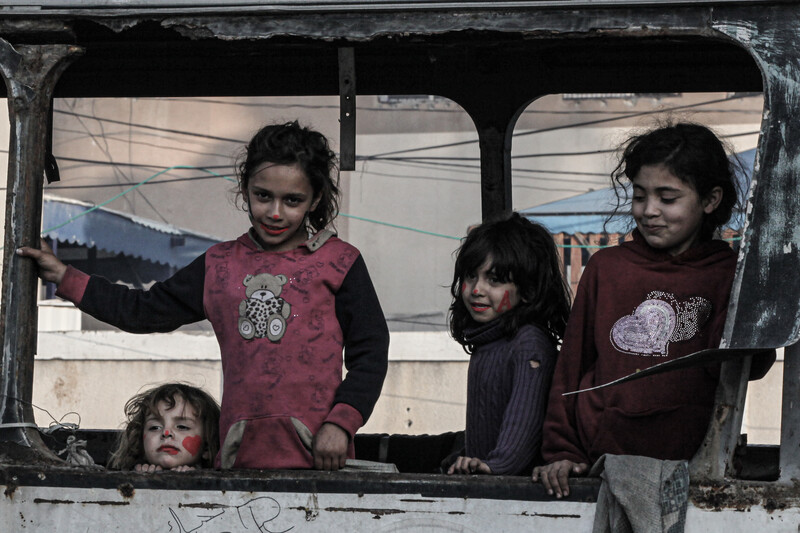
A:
121,233
587,213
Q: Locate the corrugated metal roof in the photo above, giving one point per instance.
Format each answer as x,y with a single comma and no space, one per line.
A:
76,222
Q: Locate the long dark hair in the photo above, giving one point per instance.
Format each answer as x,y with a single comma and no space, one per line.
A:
694,154
290,144
521,251
129,450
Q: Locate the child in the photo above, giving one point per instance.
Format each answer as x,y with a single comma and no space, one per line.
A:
170,427
509,310
283,306
662,296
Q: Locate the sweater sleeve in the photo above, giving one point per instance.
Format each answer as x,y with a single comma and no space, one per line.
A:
164,307
366,349
578,355
521,431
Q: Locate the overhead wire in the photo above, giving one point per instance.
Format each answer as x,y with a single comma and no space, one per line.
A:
431,161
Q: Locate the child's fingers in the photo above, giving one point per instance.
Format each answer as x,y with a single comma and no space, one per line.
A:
483,468
544,475
554,477
329,447
562,480
27,251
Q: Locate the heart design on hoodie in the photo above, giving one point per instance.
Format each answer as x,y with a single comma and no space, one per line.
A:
657,321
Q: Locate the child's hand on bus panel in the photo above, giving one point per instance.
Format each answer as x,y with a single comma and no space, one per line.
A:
50,267
147,468
555,476
150,469
469,465
329,447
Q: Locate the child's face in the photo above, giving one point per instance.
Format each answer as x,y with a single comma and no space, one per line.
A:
174,436
279,198
485,296
668,211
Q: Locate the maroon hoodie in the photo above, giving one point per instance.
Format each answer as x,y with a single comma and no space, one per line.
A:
637,307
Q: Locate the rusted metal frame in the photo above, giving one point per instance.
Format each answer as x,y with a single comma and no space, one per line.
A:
714,460
789,462
765,301
30,74
495,151
764,310
494,120
271,7
347,109
532,21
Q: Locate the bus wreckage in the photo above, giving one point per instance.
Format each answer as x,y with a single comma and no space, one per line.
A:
492,58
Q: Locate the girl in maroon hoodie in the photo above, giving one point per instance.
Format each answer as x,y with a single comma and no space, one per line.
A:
659,297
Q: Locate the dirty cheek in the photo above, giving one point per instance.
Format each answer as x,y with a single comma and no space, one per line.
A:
192,444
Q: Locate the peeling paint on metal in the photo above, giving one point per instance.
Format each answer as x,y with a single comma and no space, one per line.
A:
203,505
59,502
126,490
312,507
69,502
550,515
745,496
376,512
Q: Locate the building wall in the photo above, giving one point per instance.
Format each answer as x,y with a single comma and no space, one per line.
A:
95,373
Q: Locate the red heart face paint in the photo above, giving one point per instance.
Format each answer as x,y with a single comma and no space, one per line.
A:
173,435
485,296
505,304
193,444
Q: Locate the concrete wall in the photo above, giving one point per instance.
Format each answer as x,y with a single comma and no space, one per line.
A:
762,412
94,373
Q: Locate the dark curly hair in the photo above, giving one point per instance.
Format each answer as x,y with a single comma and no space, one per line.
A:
522,252
691,152
290,144
129,449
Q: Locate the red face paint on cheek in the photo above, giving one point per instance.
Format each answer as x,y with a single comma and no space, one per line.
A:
193,444
505,304
463,286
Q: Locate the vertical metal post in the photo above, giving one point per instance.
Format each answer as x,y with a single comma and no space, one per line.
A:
714,460
347,109
790,415
30,74
495,146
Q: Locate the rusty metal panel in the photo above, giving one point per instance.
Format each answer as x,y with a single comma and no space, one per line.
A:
30,74
347,109
765,301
